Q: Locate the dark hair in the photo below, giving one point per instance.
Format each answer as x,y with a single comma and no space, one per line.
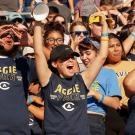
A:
59,16
112,35
133,3
87,44
125,9
53,10
104,2
130,18
5,23
125,31
51,27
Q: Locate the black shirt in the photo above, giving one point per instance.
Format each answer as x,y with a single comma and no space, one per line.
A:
65,106
13,86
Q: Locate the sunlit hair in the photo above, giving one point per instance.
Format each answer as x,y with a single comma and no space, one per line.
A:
78,23
53,27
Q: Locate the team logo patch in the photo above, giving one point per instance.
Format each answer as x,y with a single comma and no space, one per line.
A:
4,85
69,106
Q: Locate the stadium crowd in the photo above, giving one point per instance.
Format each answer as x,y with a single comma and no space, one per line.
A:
72,73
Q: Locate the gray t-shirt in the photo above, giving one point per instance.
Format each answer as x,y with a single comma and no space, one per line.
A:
8,5
63,10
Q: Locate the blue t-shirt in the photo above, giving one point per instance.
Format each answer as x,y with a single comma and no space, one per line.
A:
65,106
13,86
106,83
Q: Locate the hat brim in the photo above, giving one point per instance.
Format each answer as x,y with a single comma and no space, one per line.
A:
68,55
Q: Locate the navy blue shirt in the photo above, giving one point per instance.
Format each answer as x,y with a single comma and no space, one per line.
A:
65,106
13,86
130,126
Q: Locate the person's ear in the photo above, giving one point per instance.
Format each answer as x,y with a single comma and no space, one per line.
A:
54,64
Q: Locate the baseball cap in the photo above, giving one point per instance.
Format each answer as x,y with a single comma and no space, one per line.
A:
15,17
28,50
97,20
62,52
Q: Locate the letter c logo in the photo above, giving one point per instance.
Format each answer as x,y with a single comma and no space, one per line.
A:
4,85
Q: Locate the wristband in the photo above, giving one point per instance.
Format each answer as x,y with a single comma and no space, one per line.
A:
29,99
102,99
104,35
132,34
104,38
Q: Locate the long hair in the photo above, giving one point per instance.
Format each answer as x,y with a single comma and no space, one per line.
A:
112,35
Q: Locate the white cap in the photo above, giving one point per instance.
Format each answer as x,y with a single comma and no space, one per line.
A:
27,50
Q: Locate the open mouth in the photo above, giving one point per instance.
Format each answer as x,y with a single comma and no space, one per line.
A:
9,42
70,67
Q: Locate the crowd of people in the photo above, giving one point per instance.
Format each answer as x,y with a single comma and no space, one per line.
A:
71,73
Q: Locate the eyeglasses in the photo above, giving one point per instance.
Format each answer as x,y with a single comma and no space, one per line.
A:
78,33
63,23
53,40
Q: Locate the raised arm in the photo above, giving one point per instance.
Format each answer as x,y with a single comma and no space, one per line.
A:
123,4
121,17
129,84
129,41
43,71
93,69
21,2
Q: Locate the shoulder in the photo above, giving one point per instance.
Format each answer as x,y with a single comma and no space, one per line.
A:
107,71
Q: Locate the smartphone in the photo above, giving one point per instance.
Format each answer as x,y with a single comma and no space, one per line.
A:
93,19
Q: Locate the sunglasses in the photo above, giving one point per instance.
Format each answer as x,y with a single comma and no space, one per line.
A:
98,23
63,23
6,34
67,58
78,33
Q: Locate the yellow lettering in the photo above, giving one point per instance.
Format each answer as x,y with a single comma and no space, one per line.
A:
5,70
8,70
69,91
58,89
74,89
14,70
64,91
77,88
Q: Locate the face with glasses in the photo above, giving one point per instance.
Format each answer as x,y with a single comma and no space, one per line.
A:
80,31
54,39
